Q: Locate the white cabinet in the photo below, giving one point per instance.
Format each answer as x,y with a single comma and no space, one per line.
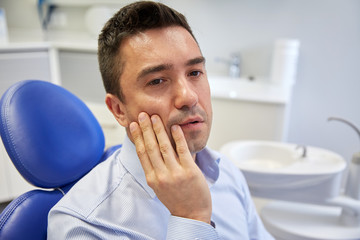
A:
4,179
247,110
12,183
245,120
17,65
80,74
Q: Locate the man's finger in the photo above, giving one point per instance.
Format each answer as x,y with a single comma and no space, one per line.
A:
165,146
140,147
151,143
181,145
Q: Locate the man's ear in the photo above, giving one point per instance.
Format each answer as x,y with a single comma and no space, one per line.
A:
117,108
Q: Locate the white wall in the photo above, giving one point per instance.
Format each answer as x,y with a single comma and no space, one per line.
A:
328,82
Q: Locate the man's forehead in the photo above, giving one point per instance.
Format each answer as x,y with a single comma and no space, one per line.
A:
147,37
159,42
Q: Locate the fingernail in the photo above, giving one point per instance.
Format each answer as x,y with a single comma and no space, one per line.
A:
142,117
174,127
132,126
153,119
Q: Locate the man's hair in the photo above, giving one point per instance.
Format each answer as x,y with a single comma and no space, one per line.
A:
129,21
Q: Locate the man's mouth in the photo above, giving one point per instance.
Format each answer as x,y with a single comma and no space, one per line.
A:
191,122
188,123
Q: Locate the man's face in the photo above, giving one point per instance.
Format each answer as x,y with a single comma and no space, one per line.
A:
164,74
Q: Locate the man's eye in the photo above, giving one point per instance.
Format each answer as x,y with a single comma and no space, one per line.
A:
155,82
194,73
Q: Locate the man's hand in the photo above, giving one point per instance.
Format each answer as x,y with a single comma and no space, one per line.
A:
173,175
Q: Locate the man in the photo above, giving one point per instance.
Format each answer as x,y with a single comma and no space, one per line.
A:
163,183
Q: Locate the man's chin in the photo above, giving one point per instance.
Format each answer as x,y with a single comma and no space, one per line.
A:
196,146
194,150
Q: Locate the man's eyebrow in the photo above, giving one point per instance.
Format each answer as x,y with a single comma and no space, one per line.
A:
154,69
195,61
162,67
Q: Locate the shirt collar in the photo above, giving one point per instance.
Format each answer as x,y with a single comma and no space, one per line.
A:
131,162
207,160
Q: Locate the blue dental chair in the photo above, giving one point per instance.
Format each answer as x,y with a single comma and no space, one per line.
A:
53,140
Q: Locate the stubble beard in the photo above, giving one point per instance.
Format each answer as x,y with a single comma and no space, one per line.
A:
196,140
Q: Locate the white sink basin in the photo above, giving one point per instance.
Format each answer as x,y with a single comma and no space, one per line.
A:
278,170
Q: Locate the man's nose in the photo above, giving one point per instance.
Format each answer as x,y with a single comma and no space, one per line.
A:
185,94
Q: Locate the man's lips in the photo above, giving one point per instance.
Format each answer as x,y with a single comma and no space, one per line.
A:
191,121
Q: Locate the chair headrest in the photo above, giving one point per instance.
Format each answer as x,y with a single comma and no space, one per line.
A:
50,135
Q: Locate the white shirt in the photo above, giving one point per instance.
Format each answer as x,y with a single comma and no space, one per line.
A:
113,201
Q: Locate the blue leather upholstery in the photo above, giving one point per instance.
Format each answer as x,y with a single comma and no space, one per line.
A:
32,113
53,140
26,216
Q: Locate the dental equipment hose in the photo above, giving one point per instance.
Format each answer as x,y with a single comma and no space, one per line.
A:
353,181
